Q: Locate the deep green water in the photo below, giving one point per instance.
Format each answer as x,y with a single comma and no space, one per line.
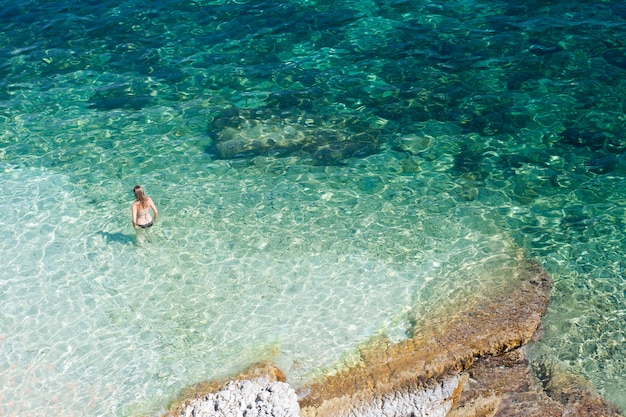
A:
325,172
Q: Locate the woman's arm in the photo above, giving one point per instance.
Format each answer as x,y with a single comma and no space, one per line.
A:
134,214
154,209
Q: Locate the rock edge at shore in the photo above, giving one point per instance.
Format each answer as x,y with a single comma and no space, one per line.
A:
472,365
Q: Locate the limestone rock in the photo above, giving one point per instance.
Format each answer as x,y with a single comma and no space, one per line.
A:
504,386
254,392
499,323
245,398
469,364
434,400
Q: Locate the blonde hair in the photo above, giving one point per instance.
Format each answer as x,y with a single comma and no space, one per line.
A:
140,195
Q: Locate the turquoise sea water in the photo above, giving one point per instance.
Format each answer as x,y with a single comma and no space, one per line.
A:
325,171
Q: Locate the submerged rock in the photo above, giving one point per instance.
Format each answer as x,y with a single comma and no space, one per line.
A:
602,165
616,57
412,144
122,102
504,385
334,152
280,140
583,138
238,133
121,96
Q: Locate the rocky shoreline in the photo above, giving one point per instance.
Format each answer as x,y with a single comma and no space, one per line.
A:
471,364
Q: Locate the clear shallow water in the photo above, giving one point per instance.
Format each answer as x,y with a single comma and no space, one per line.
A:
95,323
478,129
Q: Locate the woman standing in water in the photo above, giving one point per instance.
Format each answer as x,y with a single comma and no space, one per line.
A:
141,217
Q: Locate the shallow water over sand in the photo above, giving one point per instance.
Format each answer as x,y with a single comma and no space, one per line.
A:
321,169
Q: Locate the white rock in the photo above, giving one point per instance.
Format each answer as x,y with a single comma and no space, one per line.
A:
257,398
